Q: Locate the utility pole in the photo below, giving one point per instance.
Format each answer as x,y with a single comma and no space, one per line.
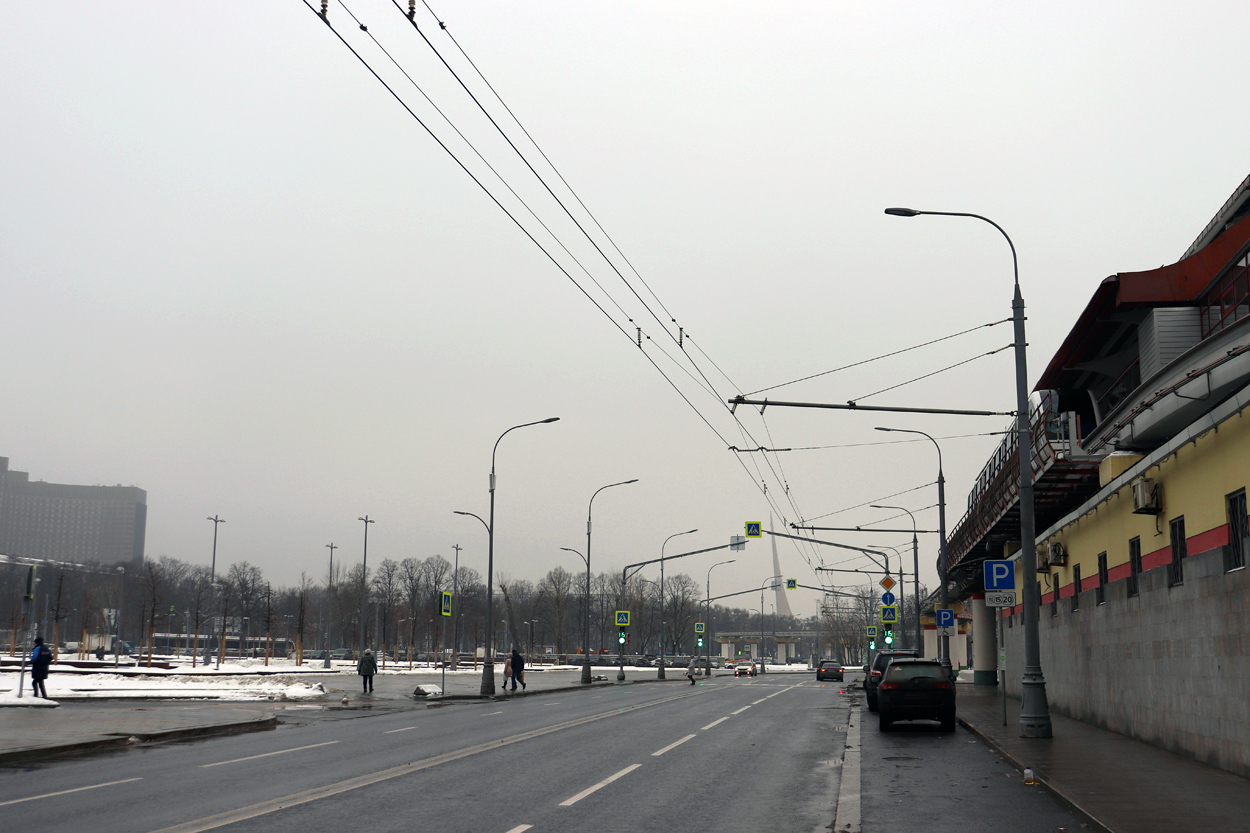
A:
212,577
364,583
329,606
455,601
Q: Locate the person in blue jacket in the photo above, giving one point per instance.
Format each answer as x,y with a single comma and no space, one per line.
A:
40,660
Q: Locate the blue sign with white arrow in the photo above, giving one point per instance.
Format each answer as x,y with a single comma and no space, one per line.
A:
1000,575
887,598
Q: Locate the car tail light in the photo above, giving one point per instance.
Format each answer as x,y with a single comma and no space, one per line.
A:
944,686
876,673
887,687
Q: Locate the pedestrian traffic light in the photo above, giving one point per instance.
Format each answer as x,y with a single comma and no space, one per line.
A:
626,637
621,637
889,637
872,645
700,642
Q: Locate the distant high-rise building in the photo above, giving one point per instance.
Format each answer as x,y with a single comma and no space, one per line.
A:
60,522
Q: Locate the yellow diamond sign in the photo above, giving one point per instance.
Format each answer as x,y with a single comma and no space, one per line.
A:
887,582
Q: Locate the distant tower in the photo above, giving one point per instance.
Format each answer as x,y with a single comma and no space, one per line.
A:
783,605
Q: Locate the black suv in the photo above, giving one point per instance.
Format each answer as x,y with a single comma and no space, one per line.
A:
873,672
916,689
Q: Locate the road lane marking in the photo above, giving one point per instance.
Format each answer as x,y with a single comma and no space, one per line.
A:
569,802
66,792
713,723
761,700
520,828
672,745
488,714
268,754
285,802
393,731
740,711
783,691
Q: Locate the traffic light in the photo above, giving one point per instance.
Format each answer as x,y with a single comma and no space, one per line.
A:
700,642
872,645
622,637
889,637
626,637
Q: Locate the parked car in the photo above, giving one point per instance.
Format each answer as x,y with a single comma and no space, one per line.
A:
744,669
829,669
916,689
874,672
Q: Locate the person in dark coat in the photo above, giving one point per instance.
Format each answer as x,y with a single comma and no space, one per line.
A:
366,668
518,668
40,660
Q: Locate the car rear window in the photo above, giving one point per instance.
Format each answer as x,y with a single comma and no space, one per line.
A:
911,670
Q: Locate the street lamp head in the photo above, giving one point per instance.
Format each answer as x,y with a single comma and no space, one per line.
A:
903,212
689,531
879,428
635,480
549,419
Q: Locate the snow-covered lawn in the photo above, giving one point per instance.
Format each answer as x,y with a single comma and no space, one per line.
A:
170,687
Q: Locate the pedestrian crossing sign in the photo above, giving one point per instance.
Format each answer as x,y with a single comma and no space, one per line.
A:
889,614
698,627
446,611
753,529
872,631
622,618
792,583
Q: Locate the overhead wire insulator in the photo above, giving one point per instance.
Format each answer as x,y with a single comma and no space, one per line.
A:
412,9
325,9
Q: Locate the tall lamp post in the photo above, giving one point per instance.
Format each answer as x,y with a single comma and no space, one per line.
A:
1034,710
488,664
364,583
660,674
212,576
707,614
773,578
121,604
944,652
589,509
915,566
329,605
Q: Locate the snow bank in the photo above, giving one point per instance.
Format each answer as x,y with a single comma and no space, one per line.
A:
10,698
172,687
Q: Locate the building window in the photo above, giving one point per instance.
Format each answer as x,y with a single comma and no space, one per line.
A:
1076,587
1100,594
1054,600
1134,564
1176,570
1226,302
1238,531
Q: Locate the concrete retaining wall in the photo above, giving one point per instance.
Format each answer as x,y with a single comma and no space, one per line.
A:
1170,666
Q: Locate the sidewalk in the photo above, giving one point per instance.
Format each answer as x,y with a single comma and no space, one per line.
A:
26,733
1122,785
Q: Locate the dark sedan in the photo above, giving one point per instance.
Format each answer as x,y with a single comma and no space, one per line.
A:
916,689
829,669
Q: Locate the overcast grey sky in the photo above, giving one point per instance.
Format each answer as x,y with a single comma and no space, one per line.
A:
236,273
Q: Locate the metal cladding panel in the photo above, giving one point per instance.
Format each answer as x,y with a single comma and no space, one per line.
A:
1165,334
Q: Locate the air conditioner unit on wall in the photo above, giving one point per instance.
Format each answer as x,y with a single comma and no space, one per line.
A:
1146,497
1056,554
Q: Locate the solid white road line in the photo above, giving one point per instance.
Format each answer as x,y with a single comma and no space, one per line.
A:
268,754
741,710
66,792
671,745
393,731
713,723
847,819
488,714
569,802
520,828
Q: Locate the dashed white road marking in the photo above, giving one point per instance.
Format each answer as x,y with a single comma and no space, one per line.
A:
761,700
520,828
713,723
66,792
393,731
672,745
741,710
488,714
268,754
569,802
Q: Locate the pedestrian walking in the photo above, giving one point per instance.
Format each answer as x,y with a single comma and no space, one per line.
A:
692,670
40,660
518,669
507,671
366,668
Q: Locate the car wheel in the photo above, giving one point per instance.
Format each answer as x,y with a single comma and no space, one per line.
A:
884,723
872,704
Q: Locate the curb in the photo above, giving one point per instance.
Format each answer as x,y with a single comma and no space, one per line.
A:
562,689
243,727
1054,789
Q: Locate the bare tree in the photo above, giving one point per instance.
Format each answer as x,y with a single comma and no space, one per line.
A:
411,577
387,588
152,579
556,589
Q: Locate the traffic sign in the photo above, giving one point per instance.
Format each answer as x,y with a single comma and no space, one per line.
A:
947,631
753,529
887,598
887,583
622,618
889,614
792,583
737,542
1000,575
698,627
446,611
872,631
945,617
1000,599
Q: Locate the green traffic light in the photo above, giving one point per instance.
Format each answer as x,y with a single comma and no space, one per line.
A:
872,646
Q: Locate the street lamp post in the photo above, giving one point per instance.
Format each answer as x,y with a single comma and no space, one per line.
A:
660,674
488,665
915,566
589,509
329,606
121,604
212,577
944,652
774,578
1034,710
707,614
364,582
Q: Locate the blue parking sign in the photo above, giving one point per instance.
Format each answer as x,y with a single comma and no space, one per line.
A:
945,617
1000,575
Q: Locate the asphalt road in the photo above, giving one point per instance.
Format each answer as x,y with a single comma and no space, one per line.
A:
754,754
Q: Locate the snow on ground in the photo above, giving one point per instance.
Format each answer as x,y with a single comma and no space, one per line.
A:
10,698
172,687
